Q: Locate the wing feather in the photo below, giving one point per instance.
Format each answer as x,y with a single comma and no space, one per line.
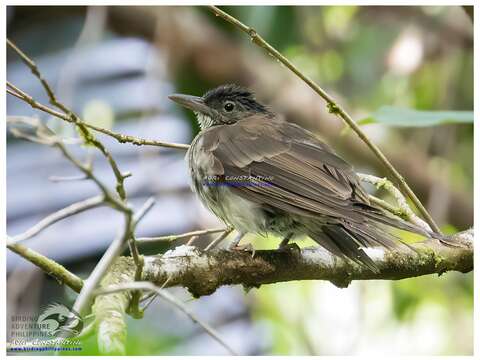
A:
307,178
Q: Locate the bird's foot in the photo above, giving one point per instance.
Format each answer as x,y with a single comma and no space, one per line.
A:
285,241
289,247
246,247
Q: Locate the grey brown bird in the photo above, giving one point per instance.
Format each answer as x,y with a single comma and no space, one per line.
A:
262,174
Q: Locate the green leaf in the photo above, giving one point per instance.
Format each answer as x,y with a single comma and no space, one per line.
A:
393,116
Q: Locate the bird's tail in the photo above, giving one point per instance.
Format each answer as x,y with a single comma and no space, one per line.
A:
349,239
380,217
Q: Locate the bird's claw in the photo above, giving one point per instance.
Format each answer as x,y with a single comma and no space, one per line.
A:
246,247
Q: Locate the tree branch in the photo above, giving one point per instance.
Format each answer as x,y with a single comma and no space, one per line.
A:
50,267
203,272
109,310
332,106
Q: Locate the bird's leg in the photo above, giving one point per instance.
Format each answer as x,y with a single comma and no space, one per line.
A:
234,245
285,241
235,241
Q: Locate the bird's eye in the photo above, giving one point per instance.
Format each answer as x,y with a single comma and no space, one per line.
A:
229,105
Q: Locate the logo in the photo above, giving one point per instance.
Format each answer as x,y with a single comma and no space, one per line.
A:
60,321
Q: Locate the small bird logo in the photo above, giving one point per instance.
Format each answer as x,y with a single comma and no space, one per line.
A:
60,321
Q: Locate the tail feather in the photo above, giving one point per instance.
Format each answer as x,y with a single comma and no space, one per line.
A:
341,242
380,216
348,239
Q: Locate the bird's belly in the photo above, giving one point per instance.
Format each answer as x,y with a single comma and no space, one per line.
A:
244,215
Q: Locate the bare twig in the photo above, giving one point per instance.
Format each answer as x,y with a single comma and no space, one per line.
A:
403,210
87,136
333,107
134,307
109,257
73,118
54,178
170,238
152,296
387,206
33,67
121,138
219,238
192,240
59,215
144,285
87,331
114,250
46,136
146,207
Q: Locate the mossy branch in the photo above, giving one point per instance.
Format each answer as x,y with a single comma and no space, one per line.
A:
203,272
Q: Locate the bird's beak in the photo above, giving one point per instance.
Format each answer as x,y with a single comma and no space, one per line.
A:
194,103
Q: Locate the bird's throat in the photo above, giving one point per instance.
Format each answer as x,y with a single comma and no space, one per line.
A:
203,120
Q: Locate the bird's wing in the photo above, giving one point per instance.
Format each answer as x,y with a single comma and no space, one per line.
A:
304,175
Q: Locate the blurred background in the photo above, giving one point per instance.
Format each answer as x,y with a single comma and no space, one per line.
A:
115,67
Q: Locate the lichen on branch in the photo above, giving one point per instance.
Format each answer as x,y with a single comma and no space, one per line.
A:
202,273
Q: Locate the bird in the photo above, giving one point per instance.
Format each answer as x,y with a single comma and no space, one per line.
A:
262,174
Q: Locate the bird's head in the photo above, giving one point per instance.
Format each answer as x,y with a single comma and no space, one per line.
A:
223,105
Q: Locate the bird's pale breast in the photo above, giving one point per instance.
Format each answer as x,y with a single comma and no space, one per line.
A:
244,215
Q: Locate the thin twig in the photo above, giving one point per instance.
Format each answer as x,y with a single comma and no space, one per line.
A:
121,138
170,238
387,206
33,67
146,207
51,219
152,296
192,240
134,308
87,331
112,253
219,239
46,136
333,107
403,210
145,285
88,138
114,250
55,178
